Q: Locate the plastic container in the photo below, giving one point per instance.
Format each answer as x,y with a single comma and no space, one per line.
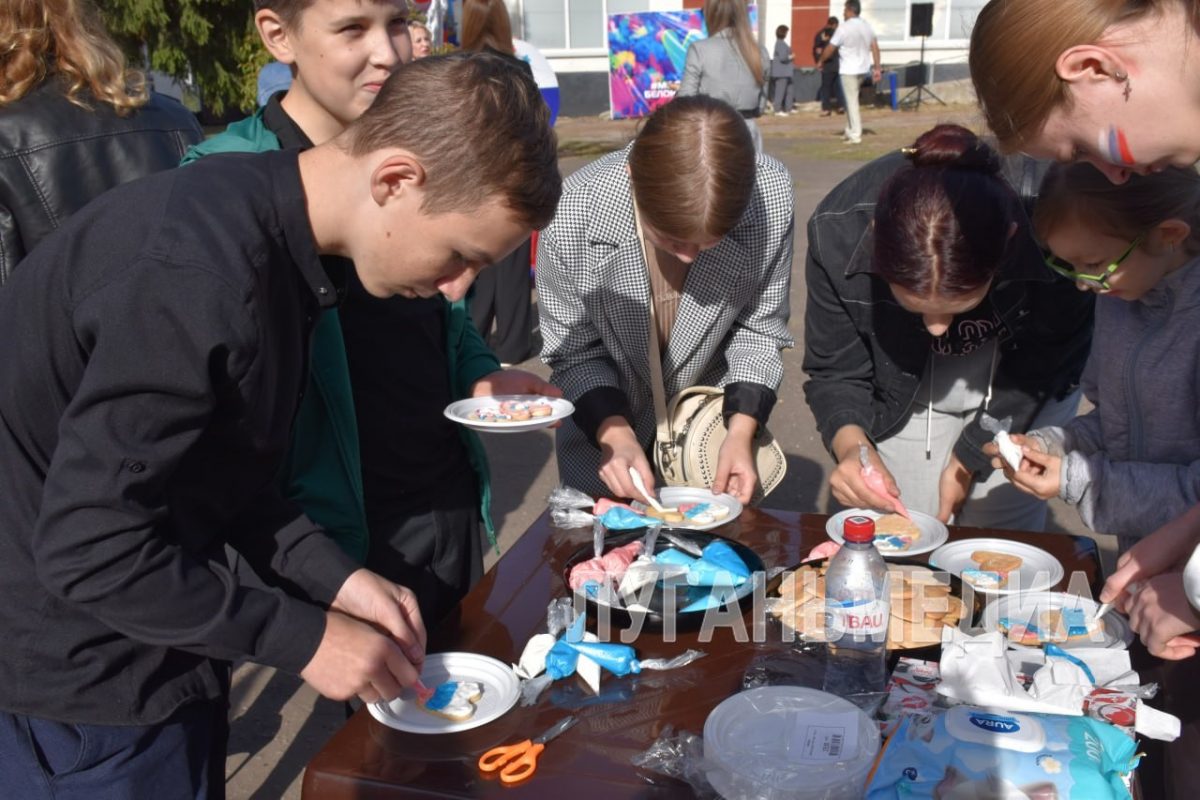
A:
789,743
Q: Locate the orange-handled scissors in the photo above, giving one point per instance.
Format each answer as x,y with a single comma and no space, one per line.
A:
519,761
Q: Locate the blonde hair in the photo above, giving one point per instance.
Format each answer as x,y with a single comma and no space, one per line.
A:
1080,194
1015,46
485,23
40,38
692,168
722,14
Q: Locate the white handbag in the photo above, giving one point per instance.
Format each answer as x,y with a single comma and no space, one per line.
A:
691,428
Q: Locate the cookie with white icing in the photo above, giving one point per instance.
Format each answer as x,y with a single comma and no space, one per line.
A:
454,700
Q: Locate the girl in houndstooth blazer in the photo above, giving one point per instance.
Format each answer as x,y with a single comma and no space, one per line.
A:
717,222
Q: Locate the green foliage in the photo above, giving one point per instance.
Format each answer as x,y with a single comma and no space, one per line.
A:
209,44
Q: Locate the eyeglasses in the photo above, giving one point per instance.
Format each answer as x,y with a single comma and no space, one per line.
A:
1092,281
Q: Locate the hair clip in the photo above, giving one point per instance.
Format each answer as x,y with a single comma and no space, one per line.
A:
908,151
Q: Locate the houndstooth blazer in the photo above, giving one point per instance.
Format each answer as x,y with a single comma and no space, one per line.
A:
594,295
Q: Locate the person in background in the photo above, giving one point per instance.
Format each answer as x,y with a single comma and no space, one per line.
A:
689,222
503,295
729,65
273,78
373,459
855,44
60,72
929,303
830,92
782,73
422,40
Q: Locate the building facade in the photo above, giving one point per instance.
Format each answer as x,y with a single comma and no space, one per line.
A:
571,34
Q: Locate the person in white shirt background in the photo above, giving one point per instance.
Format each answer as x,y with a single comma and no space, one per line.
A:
855,43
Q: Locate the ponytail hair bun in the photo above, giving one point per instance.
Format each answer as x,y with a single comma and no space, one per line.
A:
953,147
942,226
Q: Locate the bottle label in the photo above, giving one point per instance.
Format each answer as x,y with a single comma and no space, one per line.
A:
857,618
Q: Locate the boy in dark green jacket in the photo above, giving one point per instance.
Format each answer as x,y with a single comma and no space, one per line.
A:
372,458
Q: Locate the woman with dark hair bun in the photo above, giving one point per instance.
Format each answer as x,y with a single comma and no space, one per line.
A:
689,222
928,304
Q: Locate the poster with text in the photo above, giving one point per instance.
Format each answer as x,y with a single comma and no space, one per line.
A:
646,53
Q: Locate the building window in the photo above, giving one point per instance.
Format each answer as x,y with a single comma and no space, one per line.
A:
952,19
571,24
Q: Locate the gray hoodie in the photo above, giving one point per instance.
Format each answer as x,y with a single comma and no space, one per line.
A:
1133,463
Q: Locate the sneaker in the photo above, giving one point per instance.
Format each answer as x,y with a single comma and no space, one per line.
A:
848,140
781,113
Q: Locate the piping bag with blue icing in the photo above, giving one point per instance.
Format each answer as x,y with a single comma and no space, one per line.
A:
720,565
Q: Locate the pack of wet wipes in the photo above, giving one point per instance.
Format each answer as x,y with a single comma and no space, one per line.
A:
973,753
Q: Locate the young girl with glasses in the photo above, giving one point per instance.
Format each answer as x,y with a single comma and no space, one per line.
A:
1132,463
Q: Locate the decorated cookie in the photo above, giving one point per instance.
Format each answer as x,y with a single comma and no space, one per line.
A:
454,700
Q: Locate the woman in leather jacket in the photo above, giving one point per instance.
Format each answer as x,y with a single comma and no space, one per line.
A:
74,122
929,303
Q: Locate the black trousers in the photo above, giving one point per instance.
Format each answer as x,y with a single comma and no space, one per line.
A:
831,97
502,295
436,552
180,759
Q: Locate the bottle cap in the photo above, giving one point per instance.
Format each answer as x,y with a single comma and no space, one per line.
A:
859,529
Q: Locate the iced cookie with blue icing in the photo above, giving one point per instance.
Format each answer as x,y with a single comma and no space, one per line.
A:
454,700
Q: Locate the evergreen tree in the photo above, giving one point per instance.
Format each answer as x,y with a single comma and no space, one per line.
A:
209,44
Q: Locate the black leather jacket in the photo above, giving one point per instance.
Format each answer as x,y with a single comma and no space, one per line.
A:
865,354
55,157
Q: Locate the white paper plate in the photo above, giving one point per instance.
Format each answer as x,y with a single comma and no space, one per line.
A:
671,496
500,692
933,533
459,409
1038,571
1028,605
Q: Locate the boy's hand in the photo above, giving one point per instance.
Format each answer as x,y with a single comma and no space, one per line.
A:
953,488
513,381
1162,616
1165,550
390,608
354,659
1040,473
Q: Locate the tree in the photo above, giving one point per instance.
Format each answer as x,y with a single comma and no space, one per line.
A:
209,44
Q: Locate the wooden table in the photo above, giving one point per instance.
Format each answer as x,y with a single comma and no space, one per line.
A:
369,760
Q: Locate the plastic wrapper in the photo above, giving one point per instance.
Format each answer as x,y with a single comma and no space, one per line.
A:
597,539
570,518
681,660
532,689
1010,451
679,756
567,497
560,613
972,752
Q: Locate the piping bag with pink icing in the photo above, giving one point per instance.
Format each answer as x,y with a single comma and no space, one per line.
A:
875,482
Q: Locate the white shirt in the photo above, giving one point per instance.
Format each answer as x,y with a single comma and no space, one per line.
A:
853,40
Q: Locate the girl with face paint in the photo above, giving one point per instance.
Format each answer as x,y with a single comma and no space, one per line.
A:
1107,81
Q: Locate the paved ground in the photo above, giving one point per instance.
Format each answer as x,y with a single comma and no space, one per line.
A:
278,723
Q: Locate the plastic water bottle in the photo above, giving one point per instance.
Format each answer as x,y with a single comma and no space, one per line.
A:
856,613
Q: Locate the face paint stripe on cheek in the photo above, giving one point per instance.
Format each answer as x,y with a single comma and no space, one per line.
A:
1115,147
